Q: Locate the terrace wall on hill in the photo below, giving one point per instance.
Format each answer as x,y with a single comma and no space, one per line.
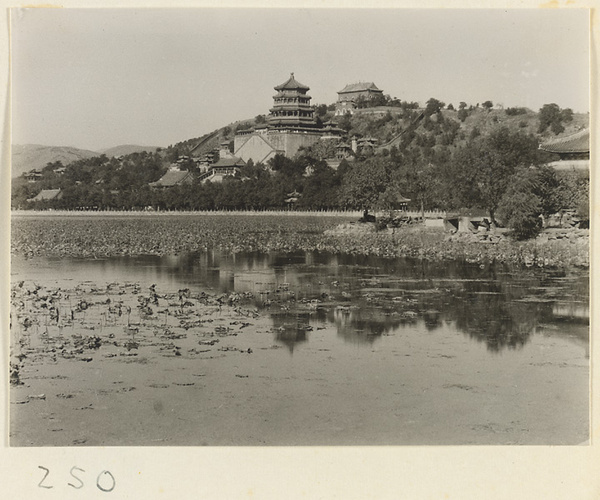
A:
263,147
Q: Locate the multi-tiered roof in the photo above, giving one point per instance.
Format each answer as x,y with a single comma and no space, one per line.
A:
291,107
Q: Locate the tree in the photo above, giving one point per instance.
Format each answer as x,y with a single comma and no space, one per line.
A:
462,111
288,172
549,190
363,184
345,123
550,115
515,111
583,206
488,105
557,127
253,171
482,170
344,167
242,126
321,110
406,105
320,188
566,115
379,100
520,207
516,148
433,106
573,191
361,102
421,180
21,192
484,179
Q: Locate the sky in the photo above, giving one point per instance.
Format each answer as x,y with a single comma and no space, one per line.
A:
98,78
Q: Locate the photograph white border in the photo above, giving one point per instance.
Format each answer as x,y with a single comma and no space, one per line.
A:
497,472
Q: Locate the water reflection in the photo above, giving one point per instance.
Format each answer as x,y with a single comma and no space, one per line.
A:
366,297
362,325
290,329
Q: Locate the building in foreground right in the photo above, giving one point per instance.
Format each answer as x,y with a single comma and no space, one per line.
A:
573,151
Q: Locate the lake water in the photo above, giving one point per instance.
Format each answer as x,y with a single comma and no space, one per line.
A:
345,350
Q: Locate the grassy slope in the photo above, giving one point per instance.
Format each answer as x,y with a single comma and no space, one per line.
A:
479,118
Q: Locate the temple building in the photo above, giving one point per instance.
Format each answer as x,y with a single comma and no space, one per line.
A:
47,195
33,176
350,94
291,107
228,165
290,125
173,177
573,151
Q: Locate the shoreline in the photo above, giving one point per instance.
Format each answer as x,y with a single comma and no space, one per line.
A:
181,213
87,236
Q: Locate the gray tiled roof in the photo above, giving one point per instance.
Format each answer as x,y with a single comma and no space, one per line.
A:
173,178
360,87
574,143
46,194
234,161
291,84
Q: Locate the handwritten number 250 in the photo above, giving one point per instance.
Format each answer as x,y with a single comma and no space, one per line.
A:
104,482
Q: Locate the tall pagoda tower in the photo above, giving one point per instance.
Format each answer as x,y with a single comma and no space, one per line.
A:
291,125
291,107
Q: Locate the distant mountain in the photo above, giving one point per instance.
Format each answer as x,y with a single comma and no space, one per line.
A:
127,149
26,157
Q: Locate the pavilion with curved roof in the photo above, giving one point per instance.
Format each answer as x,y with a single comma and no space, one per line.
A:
573,150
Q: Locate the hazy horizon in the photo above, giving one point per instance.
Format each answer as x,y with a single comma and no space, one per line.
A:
100,150
99,78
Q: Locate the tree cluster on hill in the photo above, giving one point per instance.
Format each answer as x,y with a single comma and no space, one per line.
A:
553,117
96,182
376,100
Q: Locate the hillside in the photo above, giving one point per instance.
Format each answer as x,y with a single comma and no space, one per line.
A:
425,156
447,128
127,149
26,157
199,146
451,127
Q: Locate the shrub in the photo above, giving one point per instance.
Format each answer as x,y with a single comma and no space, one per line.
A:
515,111
520,207
583,206
521,214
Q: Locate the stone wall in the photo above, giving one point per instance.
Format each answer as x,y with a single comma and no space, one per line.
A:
291,142
255,147
263,147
